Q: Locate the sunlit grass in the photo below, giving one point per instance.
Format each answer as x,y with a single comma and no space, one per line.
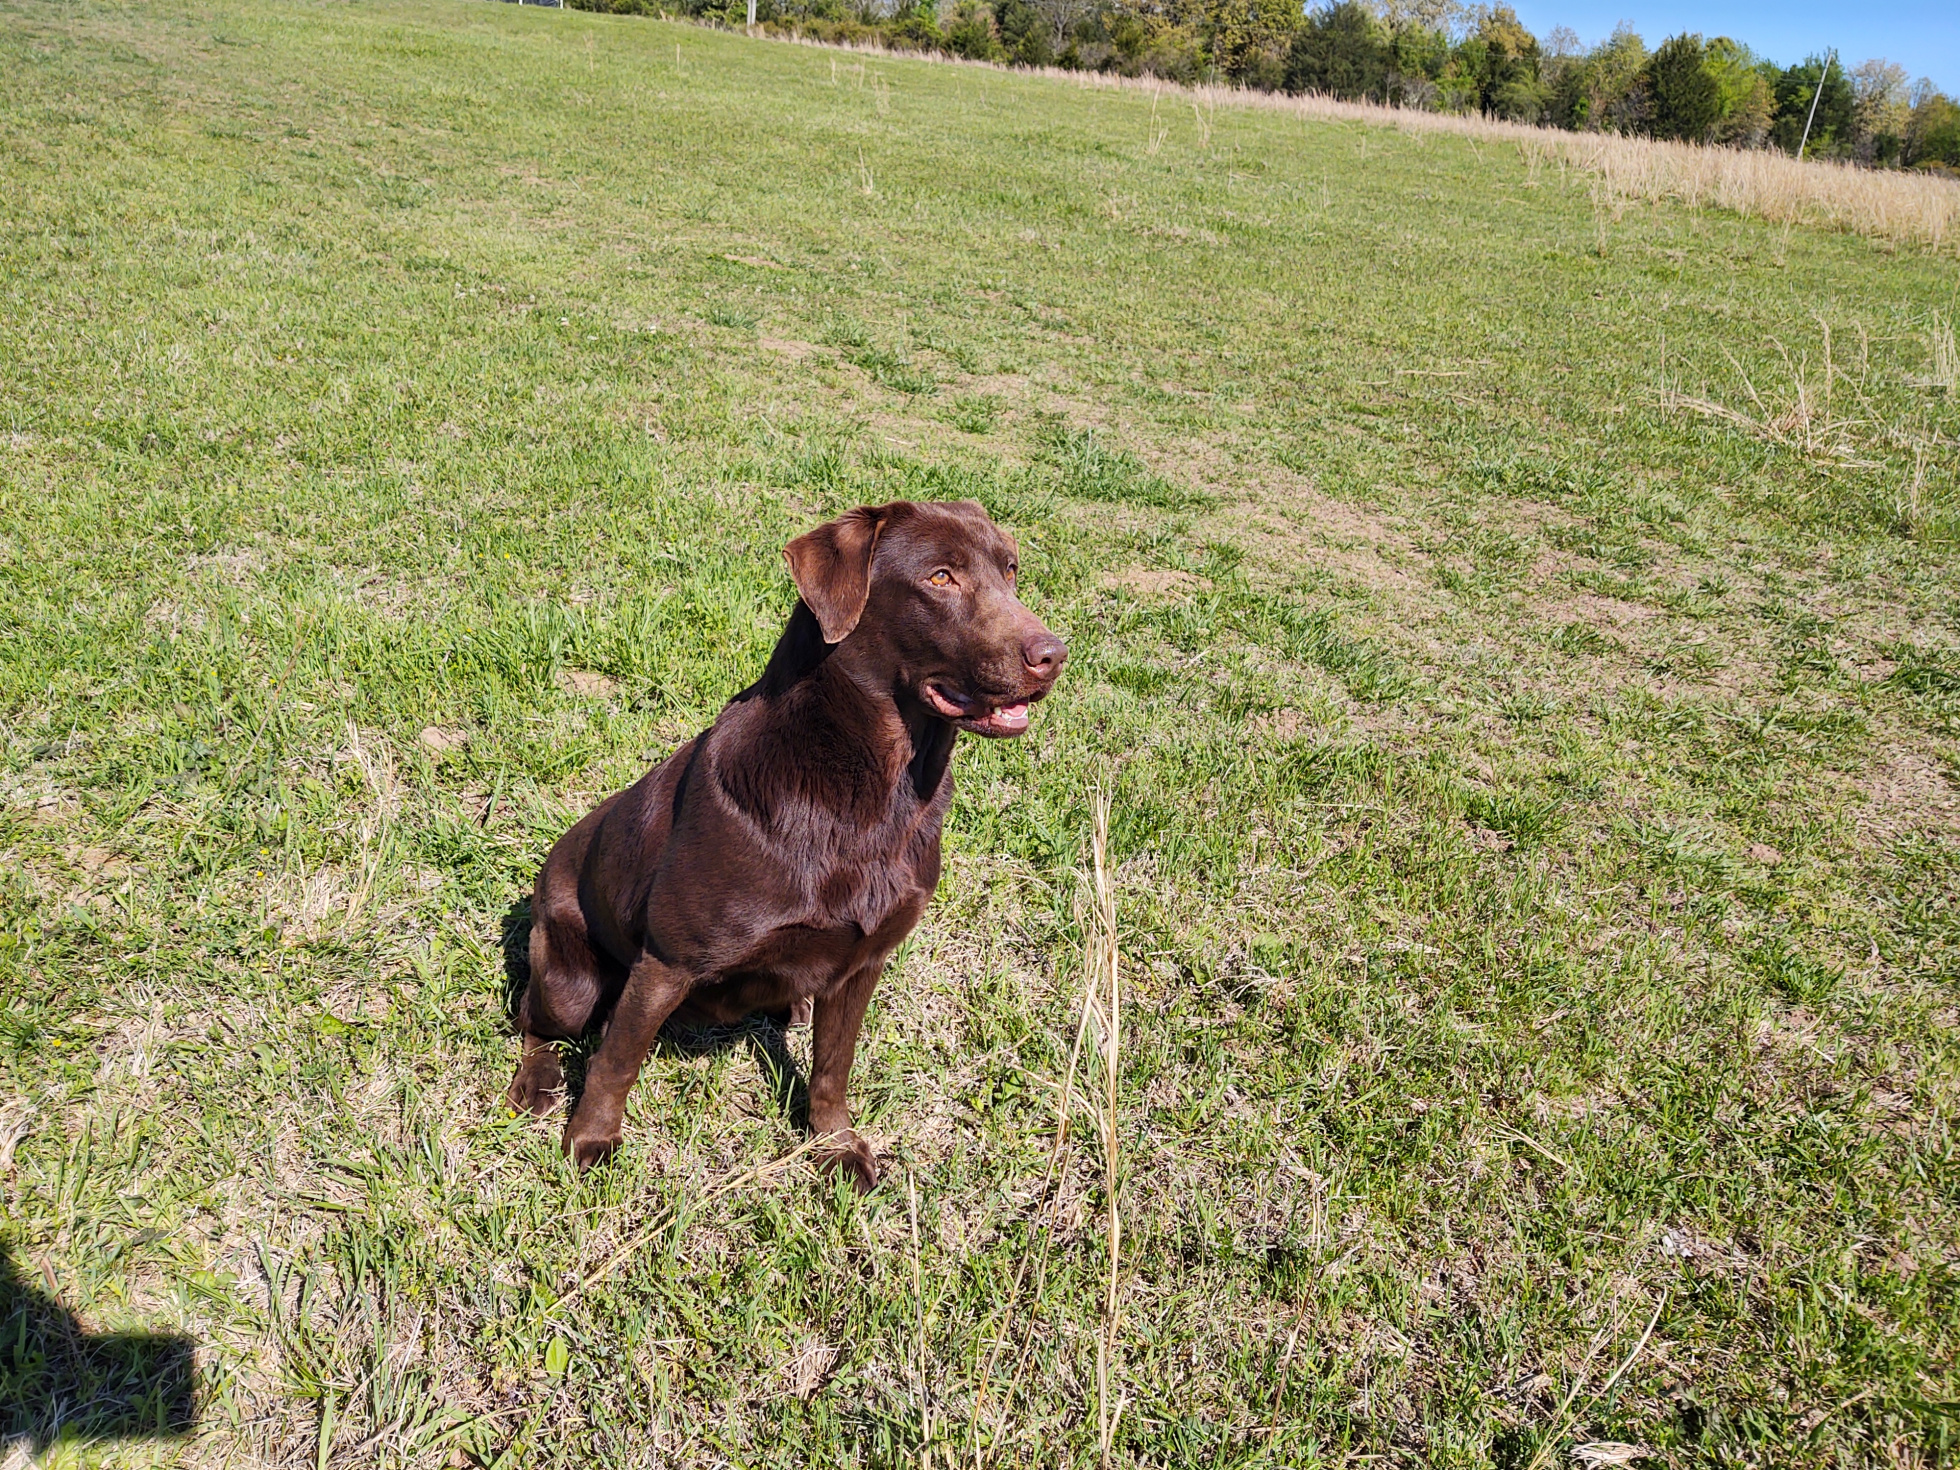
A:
1533,827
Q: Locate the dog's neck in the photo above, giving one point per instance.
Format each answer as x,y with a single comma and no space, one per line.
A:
799,653
863,707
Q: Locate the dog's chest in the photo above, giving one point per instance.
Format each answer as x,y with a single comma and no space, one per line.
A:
856,911
833,865
881,876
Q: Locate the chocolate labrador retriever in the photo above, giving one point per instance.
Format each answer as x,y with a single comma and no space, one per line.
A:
776,861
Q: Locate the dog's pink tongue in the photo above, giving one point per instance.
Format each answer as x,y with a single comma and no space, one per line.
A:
1010,717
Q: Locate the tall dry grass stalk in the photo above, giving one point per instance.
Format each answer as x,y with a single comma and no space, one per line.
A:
1911,510
1102,991
1945,354
1885,204
1562,1419
1811,419
919,1340
1101,1012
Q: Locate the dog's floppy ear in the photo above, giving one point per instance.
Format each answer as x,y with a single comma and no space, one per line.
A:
831,567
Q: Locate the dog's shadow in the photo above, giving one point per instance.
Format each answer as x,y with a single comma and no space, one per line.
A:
60,1383
764,1038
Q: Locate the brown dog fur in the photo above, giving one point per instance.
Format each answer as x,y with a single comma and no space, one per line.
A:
776,860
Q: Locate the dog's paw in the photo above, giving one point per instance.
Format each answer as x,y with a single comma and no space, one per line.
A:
586,1148
852,1157
538,1085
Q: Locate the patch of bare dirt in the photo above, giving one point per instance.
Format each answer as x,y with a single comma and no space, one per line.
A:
440,741
97,862
1600,612
1907,792
789,347
1292,524
1283,724
236,567
1157,584
40,803
167,618
587,683
381,592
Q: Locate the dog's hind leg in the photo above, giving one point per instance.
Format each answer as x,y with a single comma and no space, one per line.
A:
567,987
796,1013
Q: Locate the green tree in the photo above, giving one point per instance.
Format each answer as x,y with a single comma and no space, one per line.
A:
1250,40
1559,56
1795,87
1338,53
916,29
1748,101
1686,101
1416,54
1026,34
969,31
1607,91
1879,111
1505,65
1932,130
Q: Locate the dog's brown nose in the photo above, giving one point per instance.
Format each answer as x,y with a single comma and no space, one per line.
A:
1044,654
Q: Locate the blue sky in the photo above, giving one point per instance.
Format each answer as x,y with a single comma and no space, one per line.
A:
1922,36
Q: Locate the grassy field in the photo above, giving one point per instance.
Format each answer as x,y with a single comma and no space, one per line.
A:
1519,633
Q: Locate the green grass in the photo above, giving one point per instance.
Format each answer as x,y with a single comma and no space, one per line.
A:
1535,793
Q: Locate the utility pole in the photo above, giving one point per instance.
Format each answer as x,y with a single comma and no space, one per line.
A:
1829,57
752,27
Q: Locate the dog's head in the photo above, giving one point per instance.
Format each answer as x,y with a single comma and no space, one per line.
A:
925,592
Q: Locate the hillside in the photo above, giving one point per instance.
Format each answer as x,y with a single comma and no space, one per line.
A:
1516,623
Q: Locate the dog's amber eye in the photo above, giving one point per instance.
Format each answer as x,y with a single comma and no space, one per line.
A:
1013,570
941,578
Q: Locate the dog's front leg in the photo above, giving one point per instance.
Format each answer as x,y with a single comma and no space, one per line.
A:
652,992
833,1047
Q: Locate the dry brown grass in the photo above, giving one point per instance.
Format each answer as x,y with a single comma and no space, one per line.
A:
1825,415
1103,998
1883,204
1945,355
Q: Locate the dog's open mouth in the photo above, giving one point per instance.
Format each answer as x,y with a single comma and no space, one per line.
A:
977,715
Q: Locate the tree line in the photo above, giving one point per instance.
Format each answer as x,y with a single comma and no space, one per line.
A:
1437,55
